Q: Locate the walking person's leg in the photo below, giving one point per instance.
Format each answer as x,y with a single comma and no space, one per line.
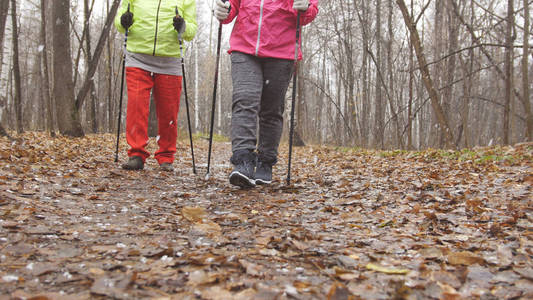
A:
247,77
277,75
139,85
167,92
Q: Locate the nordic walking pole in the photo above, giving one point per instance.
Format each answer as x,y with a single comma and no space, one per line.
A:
214,99
293,103
186,97
121,88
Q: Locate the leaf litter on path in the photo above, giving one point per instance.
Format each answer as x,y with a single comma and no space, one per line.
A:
354,223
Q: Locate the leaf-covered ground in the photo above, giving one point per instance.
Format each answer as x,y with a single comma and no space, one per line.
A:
354,224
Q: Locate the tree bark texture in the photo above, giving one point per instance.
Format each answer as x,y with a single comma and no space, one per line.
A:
525,75
4,9
93,64
16,68
379,109
509,40
87,9
45,77
67,113
426,76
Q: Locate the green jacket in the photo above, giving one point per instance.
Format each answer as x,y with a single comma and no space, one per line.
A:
152,31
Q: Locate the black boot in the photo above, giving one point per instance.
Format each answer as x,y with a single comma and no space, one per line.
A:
167,167
243,169
263,173
134,163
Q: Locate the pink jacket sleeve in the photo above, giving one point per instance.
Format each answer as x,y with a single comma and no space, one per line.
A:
235,4
309,15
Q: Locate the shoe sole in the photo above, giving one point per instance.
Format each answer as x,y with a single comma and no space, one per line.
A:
138,161
132,168
262,182
166,169
239,179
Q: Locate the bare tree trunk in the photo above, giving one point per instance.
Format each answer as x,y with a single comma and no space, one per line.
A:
92,110
525,75
380,111
469,84
472,31
110,95
45,78
390,67
3,132
411,95
93,64
467,93
4,10
365,107
509,40
437,71
426,76
67,113
37,95
16,68
453,42
9,95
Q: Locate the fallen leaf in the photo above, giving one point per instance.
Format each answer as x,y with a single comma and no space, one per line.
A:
466,258
193,214
200,277
208,228
251,268
386,270
216,293
338,292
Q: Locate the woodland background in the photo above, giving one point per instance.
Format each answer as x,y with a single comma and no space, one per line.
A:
376,74
355,222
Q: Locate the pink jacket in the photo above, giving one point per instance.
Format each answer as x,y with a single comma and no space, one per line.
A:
267,28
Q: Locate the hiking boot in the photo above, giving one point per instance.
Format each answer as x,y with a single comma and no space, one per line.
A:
263,173
243,169
167,167
134,163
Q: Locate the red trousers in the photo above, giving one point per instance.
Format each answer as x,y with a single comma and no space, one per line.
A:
167,91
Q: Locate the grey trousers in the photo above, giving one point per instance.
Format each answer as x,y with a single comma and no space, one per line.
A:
259,88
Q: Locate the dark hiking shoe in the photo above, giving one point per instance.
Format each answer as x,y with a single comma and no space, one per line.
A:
243,170
263,173
167,167
134,163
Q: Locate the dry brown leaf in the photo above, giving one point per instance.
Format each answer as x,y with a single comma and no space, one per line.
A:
216,293
208,228
193,214
96,271
386,270
251,268
200,277
339,292
465,258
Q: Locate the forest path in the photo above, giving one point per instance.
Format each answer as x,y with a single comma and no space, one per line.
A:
375,225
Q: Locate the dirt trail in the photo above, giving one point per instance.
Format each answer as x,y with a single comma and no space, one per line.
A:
374,225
